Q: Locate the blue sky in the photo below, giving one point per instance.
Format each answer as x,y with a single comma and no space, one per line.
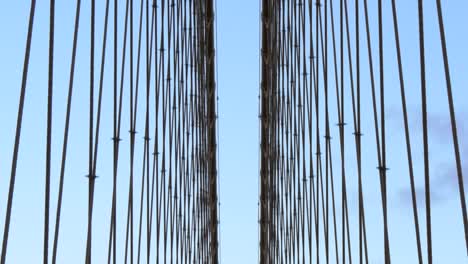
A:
238,82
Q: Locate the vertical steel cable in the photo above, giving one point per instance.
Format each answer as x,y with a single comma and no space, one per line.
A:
212,145
341,124
49,131
112,245
290,214
317,124
183,188
327,137
453,122
324,52
427,186
381,168
335,66
101,85
363,255
19,122
383,150
145,161
66,132
154,32
132,131
265,84
118,97
95,144
160,88
407,134
91,123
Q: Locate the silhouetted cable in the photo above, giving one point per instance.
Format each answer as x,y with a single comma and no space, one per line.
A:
101,84
327,131
112,248
132,114
292,211
383,150
341,124
317,124
49,131
145,161
453,122
19,122
66,132
427,186
212,144
180,194
335,66
91,130
265,84
381,168
178,205
118,97
363,252
95,140
407,134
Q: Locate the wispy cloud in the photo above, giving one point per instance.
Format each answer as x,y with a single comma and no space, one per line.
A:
444,185
447,177
444,177
439,125
406,196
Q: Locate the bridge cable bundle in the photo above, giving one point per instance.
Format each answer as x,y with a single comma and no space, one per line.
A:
312,201
157,61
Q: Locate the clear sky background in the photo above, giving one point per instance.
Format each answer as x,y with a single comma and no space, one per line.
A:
238,39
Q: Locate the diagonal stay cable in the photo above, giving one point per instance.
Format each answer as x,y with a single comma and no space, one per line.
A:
407,134
66,132
453,122
19,122
49,131
427,185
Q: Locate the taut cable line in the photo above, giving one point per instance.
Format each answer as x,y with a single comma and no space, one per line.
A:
303,55
165,66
